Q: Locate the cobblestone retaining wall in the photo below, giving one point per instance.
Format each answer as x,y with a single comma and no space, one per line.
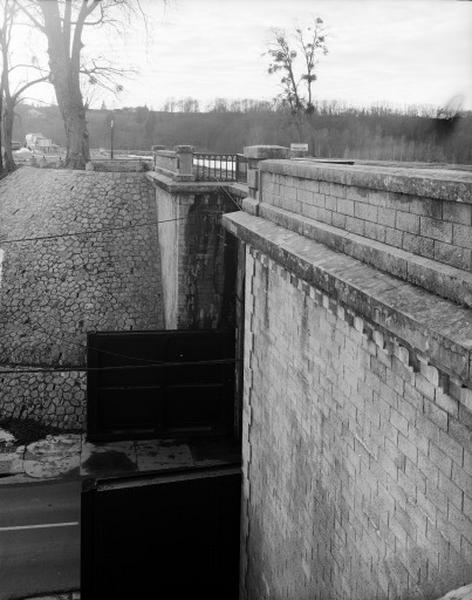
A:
54,290
56,399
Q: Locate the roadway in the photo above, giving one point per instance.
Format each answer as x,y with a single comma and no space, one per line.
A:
39,538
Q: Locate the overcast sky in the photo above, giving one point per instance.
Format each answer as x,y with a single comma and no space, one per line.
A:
397,51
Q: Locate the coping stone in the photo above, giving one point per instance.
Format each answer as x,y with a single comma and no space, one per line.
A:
263,152
435,327
440,184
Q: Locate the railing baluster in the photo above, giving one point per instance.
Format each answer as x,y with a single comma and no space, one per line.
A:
219,167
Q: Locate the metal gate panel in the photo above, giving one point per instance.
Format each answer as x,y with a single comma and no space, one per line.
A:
173,534
160,384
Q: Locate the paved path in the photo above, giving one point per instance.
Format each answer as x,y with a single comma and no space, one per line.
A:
39,538
71,456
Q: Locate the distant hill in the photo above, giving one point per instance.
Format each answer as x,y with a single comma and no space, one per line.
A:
378,133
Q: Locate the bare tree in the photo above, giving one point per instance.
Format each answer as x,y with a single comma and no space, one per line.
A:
296,61
63,23
9,97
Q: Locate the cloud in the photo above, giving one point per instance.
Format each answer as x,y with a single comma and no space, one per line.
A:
404,50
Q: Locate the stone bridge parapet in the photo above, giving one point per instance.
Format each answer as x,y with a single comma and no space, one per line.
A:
357,408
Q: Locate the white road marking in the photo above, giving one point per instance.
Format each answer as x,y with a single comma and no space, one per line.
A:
40,526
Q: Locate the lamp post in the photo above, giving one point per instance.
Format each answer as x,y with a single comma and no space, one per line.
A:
112,128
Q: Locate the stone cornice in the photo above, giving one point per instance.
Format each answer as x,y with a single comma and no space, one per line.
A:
435,327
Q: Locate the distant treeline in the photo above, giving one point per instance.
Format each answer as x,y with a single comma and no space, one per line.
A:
332,130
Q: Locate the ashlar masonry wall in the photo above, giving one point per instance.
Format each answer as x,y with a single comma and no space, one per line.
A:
415,224
357,416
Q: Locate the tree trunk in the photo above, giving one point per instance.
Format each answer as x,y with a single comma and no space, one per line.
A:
1,135
75,124
65,73
8,114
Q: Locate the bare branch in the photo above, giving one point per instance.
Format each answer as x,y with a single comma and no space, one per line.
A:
18,92
34,20
27,66
85,11
97,22
105,69
91,7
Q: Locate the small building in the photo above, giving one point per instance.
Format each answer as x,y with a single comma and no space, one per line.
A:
37,142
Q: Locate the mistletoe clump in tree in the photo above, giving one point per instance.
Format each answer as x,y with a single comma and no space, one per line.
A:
296,59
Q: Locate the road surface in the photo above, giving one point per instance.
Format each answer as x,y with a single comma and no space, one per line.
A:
39,538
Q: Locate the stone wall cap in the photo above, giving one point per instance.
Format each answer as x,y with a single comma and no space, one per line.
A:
167,153
173,186
433,326
439,183
184,148
266,151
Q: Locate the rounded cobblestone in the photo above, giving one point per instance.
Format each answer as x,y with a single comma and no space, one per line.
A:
53,291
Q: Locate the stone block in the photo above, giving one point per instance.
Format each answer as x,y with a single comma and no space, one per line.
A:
407,222
364,211
359,194
393,237
305,196
337,191
453,255
250,205
447,403
417,244
359,324
355,225
339,220
457,212
465,396
320,199
386,216
398,201
462,236
345,207
435,229
402,354
253,178
378,338
377,198
374,231
426,207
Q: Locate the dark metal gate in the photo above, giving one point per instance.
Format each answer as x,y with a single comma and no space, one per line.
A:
173,534
160,384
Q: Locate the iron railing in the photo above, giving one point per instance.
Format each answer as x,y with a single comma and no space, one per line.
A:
219,167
